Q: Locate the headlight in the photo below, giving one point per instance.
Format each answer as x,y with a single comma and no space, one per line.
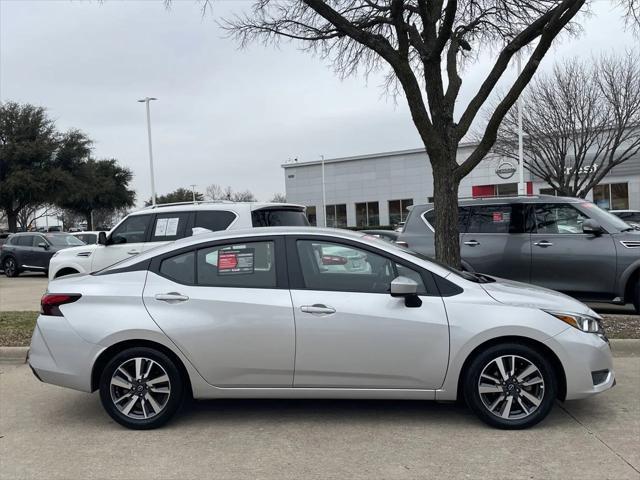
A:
581,322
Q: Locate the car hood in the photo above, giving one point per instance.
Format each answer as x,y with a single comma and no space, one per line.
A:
527,295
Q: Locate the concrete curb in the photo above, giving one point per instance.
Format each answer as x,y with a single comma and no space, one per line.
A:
619,347
13,355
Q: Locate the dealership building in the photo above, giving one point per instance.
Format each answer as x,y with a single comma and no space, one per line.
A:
375,189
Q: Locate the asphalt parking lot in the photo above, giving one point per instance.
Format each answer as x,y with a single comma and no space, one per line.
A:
22,292
48,432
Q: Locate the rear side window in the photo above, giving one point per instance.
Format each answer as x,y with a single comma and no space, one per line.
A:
279,218
246,265
496,219
169,226
463,218
214,220
23,241
180,268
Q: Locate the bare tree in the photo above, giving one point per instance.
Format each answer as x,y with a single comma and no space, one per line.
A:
245,196
278,198
216,193
580,121
421,44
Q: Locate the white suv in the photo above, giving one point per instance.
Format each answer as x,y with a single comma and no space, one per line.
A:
154,226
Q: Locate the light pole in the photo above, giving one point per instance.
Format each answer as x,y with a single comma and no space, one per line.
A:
193,191
521,187
324,197
146,101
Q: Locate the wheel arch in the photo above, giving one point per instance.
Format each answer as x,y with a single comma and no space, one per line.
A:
540,347
65,271
107,354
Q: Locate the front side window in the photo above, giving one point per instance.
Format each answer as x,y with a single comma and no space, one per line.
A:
554,218
496,219
61,240
242,265
180,268
367,214
214,220
24,240
398,210
336,215
132,230
338,267
168,227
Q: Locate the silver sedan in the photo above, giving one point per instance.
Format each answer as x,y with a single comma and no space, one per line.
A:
258,314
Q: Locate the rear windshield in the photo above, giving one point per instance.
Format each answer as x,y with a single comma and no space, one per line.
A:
279,218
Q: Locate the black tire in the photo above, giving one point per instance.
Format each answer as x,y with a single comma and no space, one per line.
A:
169,403
10,267
544,393
636,297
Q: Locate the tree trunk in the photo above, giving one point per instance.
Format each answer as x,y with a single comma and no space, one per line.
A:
87,217
445,196
12,221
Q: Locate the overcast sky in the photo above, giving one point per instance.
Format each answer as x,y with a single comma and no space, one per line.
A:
224,115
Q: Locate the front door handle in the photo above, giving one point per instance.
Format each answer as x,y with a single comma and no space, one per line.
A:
171,297
543,244
317,309
472,243
133,252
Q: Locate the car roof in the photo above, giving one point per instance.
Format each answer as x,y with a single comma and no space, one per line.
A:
492,200
228,206
273,231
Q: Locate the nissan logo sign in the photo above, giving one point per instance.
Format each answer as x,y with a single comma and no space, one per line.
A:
505,170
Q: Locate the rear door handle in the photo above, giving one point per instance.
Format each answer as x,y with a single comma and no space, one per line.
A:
171,297
317,309
133,252
472,243
543,244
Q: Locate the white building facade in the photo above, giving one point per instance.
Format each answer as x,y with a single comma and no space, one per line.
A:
372,190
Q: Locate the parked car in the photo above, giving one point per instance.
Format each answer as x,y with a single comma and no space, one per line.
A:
154,226
4,236
632,217
565,244
89,238
32,251
234,314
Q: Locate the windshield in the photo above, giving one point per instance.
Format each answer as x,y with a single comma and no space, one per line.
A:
64,240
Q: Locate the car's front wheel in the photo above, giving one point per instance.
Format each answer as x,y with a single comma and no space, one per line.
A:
510,386
141,388
10,267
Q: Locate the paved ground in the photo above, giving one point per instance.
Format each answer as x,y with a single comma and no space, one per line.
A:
51,433
22,292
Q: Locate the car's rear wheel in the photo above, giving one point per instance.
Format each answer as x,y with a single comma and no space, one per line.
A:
510,386
10,267
636,297
141,388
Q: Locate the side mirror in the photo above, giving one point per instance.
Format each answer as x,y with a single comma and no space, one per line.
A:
44,245
102,238
591,226
407,288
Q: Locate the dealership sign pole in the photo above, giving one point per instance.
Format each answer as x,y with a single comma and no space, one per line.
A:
146,100
521,187
324,198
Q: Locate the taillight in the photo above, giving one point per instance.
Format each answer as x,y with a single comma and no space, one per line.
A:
50,302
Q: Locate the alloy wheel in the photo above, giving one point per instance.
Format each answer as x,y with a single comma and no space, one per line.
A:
140,388
10,267
511,387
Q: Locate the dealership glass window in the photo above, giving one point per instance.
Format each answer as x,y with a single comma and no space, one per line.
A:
367,214
612,196
398,210
504,189
336,215
311,215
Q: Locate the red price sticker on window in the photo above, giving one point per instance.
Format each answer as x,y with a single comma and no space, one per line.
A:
497,216
227,260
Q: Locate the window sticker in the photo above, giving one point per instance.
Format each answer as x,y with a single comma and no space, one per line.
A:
161,227
237,261
167,227
497,216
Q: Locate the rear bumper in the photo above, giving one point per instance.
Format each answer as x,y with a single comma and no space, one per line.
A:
584,357
58,355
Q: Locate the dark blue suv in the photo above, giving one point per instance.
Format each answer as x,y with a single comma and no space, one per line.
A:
32,251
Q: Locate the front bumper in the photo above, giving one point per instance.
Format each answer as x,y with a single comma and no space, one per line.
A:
58,355
585,358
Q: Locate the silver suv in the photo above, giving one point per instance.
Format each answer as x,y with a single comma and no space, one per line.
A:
565,244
